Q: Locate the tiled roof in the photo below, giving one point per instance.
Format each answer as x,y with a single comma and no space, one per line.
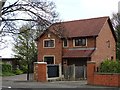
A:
77,53
81,28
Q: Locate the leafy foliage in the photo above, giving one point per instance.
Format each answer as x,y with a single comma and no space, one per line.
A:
116,25
25,48
18,71
109,66
6,70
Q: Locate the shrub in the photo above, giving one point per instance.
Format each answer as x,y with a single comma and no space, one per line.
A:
109,66
6,68
18,71
24,69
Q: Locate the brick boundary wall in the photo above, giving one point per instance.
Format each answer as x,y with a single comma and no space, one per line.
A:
95,78
40,71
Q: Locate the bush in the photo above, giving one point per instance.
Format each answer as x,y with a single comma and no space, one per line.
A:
109,66
18,71
6,68
24,69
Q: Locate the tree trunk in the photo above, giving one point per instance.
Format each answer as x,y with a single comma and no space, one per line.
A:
28,73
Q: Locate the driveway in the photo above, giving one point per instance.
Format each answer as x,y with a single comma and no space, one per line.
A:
19,81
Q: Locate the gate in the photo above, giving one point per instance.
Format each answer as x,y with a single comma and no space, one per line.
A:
53,70
73,72
69,72
80,72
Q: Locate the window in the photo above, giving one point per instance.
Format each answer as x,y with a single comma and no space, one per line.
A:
108,43
65,43
49,43
49,59
80,42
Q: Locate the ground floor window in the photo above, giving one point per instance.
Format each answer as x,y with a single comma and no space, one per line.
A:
49,59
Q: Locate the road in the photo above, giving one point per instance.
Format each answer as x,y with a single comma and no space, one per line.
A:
19,81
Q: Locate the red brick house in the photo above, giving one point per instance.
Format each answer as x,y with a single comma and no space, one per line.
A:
78,41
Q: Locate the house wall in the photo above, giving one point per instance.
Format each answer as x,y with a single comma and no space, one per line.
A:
100,42
56,51
103,51
91,43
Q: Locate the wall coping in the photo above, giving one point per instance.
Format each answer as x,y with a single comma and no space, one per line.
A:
40,63
107,73
89,62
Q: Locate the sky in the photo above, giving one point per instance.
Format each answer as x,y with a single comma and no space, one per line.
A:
82,9
73,10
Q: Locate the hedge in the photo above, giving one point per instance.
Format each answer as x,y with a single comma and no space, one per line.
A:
109,66
6,68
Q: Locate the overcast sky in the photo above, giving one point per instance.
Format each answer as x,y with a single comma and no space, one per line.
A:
77,9
81,9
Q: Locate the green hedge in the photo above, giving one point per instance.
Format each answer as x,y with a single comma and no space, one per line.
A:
6,68
109,66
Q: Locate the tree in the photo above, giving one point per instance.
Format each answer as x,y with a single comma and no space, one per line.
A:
25,48
19,12
116,25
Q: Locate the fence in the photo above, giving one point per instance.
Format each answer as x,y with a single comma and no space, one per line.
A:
73,72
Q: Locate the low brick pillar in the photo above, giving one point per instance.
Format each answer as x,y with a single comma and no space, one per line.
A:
40,71
90,72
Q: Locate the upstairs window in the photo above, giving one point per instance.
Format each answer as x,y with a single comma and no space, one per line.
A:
65,42
49,43
108,43
79,42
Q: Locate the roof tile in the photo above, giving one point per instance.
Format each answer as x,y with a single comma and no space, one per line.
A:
81,28
77,53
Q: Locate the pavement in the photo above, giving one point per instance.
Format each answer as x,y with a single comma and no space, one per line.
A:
19,81
22,77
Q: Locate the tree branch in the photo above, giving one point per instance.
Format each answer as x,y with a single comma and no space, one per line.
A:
18,20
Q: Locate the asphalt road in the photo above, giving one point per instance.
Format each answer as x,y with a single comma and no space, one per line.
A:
20,82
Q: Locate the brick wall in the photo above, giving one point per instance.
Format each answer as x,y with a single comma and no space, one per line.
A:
57,51
90,72
90,43
102,41
95,78
40,71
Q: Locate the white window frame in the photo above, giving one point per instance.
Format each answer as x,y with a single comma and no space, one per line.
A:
79,46
48,40
64,44
49,56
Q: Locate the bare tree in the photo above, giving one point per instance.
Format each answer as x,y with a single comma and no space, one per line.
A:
38,12
14,14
